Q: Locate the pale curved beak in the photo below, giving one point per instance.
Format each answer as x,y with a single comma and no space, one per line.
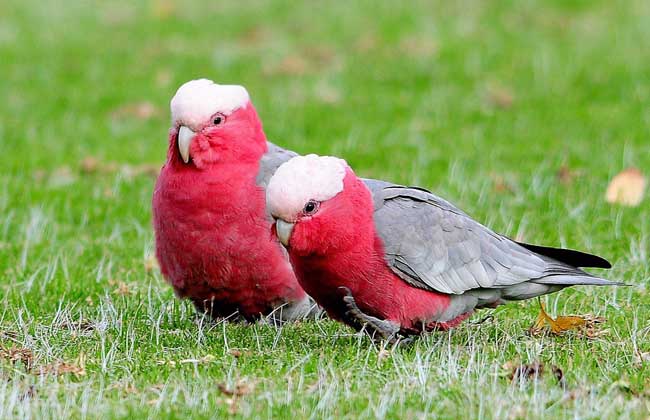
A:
185,136
283,230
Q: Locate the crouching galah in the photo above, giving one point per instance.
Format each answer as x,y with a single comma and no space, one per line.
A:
401,260
212,231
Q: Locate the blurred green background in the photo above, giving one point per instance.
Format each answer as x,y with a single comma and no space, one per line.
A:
519,112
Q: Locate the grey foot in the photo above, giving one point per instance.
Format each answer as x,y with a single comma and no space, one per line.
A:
295,311
376,328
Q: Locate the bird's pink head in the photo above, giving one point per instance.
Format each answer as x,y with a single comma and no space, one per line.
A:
213,123
319,205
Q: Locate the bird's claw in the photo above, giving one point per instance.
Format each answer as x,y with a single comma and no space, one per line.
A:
376,328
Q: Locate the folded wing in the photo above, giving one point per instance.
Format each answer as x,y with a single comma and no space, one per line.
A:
433,245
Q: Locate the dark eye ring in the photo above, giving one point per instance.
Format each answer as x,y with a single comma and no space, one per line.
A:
218,119
311,207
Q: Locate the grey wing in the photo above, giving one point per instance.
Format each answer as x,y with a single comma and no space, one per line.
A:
432,245
270,162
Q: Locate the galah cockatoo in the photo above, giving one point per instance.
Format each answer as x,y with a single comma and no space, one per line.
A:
213,239
400,260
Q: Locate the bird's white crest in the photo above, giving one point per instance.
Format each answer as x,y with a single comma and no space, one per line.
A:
301,179
198,100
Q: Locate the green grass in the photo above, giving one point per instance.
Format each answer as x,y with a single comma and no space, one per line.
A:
460,97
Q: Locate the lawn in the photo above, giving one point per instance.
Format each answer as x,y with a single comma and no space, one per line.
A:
518,112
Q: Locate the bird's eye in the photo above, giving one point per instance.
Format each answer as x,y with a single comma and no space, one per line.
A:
218,119
311,207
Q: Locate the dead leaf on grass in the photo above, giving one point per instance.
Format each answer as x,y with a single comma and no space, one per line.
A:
255,36
585,324
237,353
366,42
81,325
241,388
94,165
641,357
151,263
624,386
163,78
419,46
89,164
126,387
327,94
519,372
291,65
383,355
123,289
18,355
148,169
12,335
501,184
500,97
203,360
61,177
140,110
64,368
626,188
163,9
566,175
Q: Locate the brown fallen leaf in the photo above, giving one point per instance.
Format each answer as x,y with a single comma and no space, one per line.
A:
122,289
626,188
236,353
566,175
535,370
29,393
254,36
500,97
163,78
420,46
366,42
585,324
383,355
203,360
12,335
241,388
163,9
291,65
39,175
80,325
126,387
90,164
327,94
501,185
18,355
141,110
151,263
63,368
148,169
61,177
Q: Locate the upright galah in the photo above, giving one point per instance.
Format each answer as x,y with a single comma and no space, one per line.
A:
400,260
212,231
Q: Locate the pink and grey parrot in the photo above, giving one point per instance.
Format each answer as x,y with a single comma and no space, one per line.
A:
399,260
212,230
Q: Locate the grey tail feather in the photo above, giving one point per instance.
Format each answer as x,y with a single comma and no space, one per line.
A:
576,280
